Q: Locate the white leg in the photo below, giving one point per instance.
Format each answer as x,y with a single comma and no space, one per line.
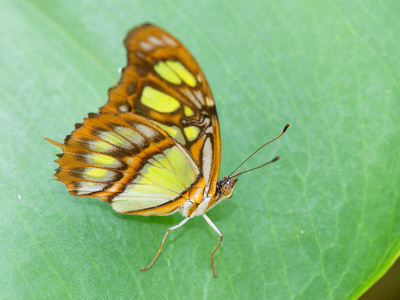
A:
163,241
219,243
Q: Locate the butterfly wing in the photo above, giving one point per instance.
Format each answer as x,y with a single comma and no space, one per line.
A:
129,162
163,83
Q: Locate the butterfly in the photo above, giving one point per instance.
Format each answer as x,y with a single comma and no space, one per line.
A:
154,148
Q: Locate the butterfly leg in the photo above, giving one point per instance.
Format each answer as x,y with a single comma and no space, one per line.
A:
163,241
219,243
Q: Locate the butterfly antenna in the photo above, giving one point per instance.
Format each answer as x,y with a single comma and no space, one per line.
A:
263,165
275,159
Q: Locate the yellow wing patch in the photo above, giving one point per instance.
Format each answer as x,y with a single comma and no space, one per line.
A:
174,71
115,139
173,131
183,73
104,160
191,132
166,73
159,101
101,146
183,165
163,176
98,174
188,111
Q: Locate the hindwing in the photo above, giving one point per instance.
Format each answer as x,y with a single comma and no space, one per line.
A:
163,83
129,162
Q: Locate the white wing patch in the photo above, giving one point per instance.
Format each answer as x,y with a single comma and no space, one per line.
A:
207,159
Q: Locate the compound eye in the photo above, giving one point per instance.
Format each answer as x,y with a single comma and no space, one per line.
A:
226,189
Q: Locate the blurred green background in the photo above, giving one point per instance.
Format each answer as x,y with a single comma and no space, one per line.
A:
322,223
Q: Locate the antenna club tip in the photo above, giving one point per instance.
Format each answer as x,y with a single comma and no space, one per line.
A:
286,127
275,159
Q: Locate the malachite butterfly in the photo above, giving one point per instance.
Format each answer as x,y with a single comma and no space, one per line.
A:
154,147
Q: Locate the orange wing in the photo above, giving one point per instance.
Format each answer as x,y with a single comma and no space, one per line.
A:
163,83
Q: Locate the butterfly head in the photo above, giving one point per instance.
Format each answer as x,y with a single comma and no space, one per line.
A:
225,187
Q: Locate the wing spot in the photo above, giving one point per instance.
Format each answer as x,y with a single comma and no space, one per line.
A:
101,146
207,158
149,132
169,40
98,174
159,101
191,132
146,46
155,41
140,55
188,93
124,107
87,187
199,96
173,131
209,102
115,139
188,111
166,73
132,136
103,160
182,72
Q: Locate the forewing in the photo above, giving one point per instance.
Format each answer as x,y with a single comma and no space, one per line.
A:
163,83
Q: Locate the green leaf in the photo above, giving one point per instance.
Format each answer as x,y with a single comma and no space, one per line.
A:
321,223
